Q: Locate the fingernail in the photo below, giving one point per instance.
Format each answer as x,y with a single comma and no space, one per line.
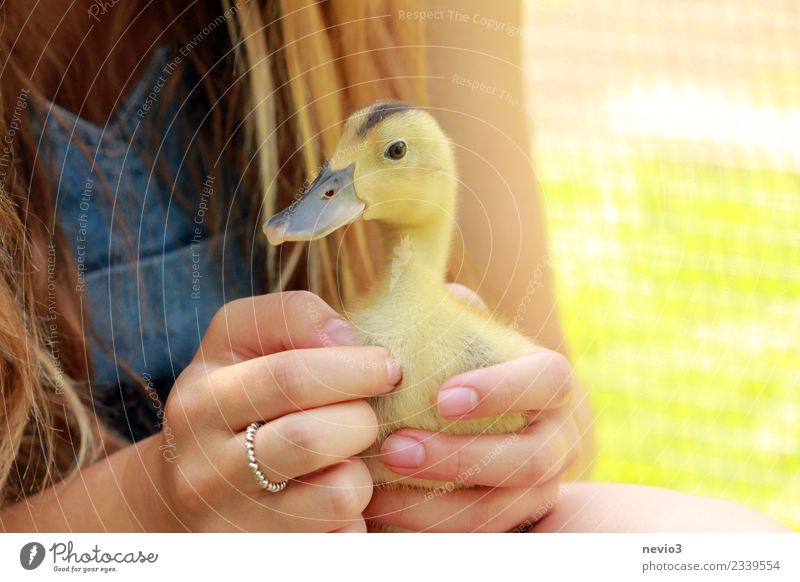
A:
402,452
457,401
342,333
393,370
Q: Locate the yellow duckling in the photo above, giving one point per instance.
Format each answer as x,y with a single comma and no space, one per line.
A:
395,165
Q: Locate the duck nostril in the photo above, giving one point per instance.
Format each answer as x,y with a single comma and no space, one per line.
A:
329,194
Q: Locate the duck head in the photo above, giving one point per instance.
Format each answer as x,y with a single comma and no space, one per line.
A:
393,164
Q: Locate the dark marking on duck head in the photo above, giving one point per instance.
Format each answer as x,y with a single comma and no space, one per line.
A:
381,111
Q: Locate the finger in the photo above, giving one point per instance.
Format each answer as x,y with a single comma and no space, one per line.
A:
539,381
358,526
330,500
265,324
530,457
466,295
461,510
303,442
271,386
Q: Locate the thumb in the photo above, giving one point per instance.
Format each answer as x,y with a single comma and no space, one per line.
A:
265,324
466,295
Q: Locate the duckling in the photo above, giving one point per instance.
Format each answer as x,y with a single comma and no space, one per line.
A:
394,164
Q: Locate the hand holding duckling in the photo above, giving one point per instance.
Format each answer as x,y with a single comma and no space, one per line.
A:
516,479
479,403
272,358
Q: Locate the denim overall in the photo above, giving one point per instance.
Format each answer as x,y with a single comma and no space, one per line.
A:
152,277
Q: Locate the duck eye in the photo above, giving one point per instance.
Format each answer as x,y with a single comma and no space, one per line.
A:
396,150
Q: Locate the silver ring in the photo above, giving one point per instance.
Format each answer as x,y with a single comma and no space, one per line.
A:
249,439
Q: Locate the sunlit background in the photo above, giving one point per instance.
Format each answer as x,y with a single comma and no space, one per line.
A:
667,139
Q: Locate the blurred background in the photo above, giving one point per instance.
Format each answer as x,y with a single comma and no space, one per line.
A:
667,140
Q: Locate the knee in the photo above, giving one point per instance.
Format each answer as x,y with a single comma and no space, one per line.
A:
607,507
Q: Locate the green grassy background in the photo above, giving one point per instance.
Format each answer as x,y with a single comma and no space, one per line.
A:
679,288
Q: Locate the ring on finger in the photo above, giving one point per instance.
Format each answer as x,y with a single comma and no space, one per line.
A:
249,445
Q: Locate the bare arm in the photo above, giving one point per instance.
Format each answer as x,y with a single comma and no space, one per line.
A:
243,372
114,494
477,87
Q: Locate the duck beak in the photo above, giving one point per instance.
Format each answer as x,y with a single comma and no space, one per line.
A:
329,203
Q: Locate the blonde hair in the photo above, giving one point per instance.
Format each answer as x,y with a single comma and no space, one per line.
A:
305,65
338,57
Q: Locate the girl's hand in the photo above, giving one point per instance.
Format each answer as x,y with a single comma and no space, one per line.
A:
516,476
282,359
